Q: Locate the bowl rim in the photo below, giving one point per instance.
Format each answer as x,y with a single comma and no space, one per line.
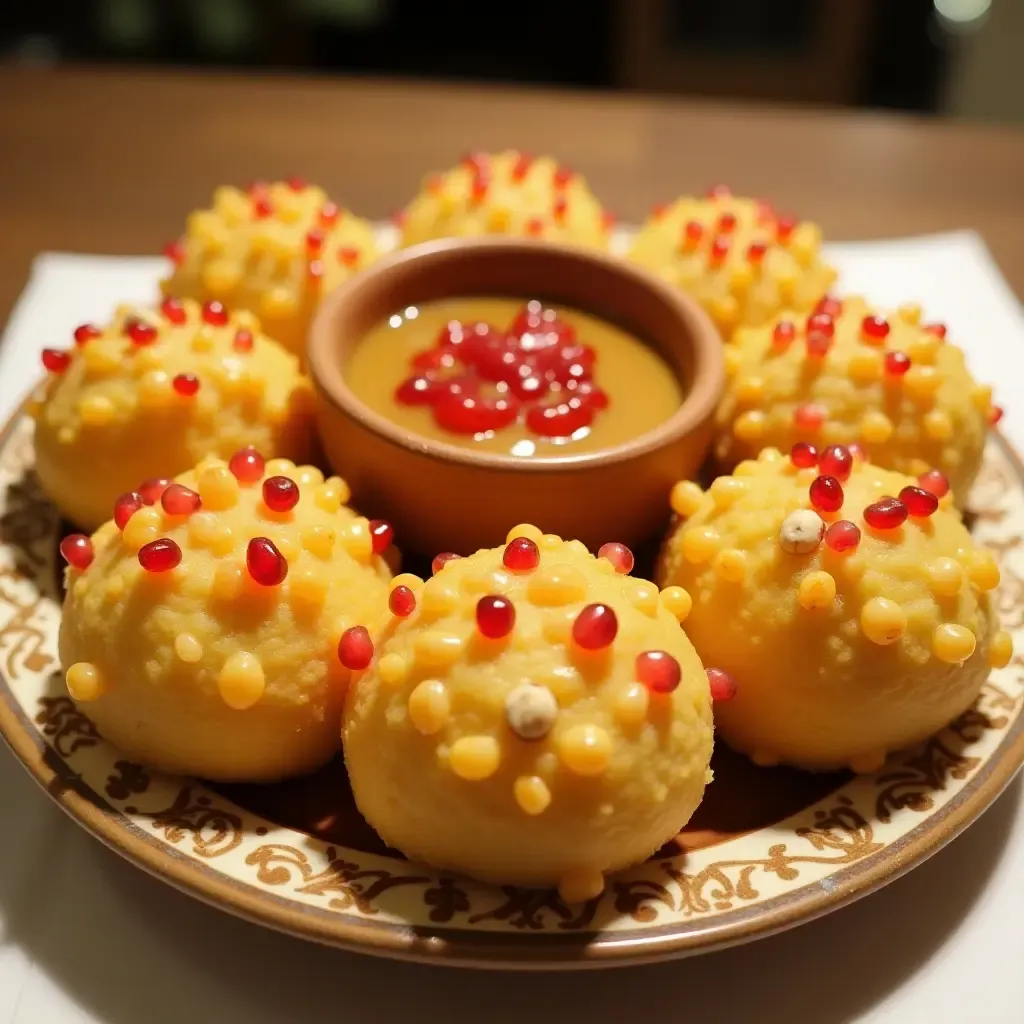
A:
698,405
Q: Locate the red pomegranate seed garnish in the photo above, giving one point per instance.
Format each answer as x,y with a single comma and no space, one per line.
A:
803,455
995,415
214,313
186,384
559,208
809,417
175,252
619,555
179,500
521,555
886,514
826,494
381,535
830,306
896,363
402,601
595,627
159,555
280,493
173,311
56,360
355,649
467,414
85,333
939,330
76,549
247,465
151,489
874,329
658,671
784,227
441,560
727,222
296,184
420,390
140,332
242,341
935,481
495,616
756,252
842,535
562,176
818,344
783,335
328,214
125,506
535,227
521,167
836,461
348,256
262,207
719,250
561,420
723,686
693,232
266,565
314,241
920,503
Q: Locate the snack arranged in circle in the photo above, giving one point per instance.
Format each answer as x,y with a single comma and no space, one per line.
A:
739,258
532,715
504,376
850,374
507,193
274,248
849,603
202,625
154,391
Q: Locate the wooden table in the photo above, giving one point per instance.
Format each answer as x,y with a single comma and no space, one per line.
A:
111,161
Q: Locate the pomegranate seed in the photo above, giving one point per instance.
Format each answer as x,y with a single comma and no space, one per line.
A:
179,500
783,335
175,252
842,535
441,560
934,481
719,250
558,209
818,344
151,489
562,177
314,241
257,188
348,255
595,627
756,252
561,420
896,363
535,226
186,384
56,360
262,207
821,323
76,549
315,272
939,330
886,514
521,167
826,494
495,616
328,214
140,332
402,601
804,455
419,390
619,555
920,503
214,313
86,332
693,233
159,555
995,415
173,311
355,649
723,686
242,341
296,184
719,192
466,414
809,417
727,222
658,671
521,555
266,565
784,228
280,493
830,306
836,461
125,506
874,329
381,535
247,465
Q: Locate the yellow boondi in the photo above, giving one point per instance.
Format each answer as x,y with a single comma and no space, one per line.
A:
524,757
844,645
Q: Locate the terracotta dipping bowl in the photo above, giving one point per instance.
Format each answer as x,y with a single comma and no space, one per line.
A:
441,497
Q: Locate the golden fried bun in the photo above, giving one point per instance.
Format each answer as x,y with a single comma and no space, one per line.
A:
742,261
850,374
848,602
155,391
276,249
531,716
200,633
507,193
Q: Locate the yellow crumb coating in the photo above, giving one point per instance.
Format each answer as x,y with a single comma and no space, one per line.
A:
508,193
211,667
524,757
846,640
275,248
885,381
155,391
737,257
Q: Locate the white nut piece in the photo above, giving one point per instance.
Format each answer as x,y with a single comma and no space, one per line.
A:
530,711
801,532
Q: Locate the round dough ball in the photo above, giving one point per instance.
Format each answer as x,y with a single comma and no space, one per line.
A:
737,257
217,667
507,193
155,391
508,751
276,249
852,374
846,640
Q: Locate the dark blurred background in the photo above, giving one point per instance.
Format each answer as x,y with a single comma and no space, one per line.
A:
927,56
